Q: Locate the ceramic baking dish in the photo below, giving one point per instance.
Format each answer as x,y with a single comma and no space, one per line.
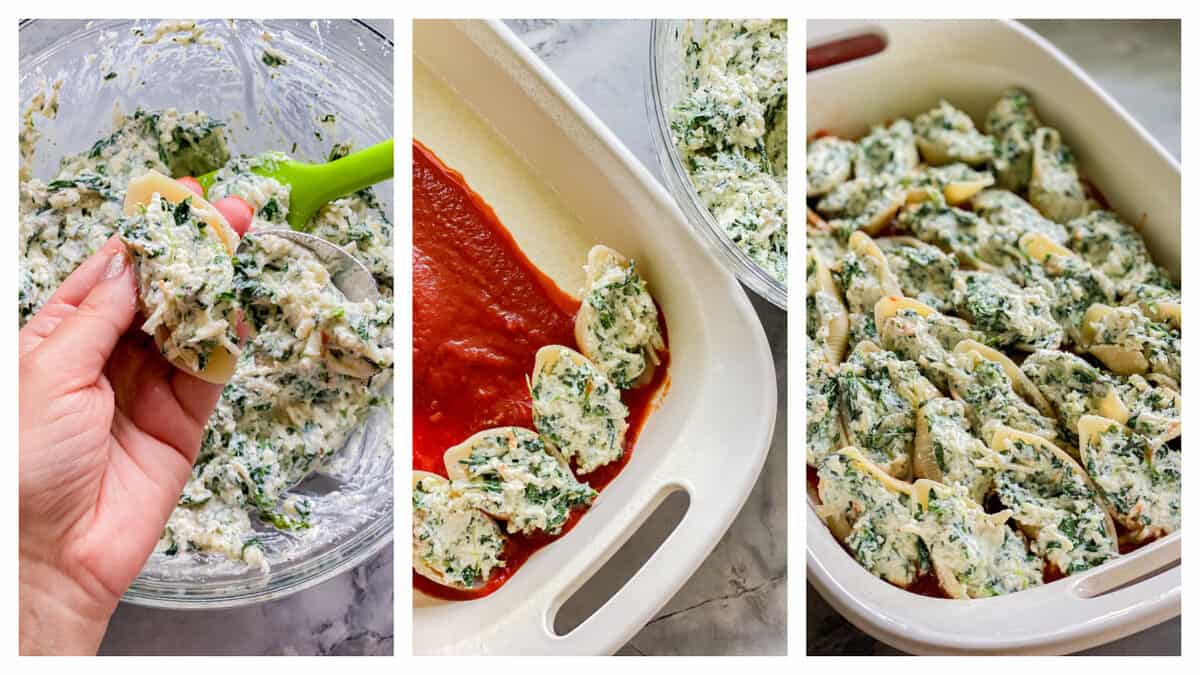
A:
711,434
969,63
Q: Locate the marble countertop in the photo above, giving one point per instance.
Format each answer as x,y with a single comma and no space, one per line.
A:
1138,63
736,603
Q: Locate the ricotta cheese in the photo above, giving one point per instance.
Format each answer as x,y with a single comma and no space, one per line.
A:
1115,249
1052,500
1011,316
887,151
509,473
1074,388
947,134
824,424
975,554
878,394
870,513
577,410
617,324
1139,481
923,270
731,132
1128,342
453,544
185,281
945,450
829,163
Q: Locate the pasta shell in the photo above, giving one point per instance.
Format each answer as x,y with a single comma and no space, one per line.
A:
917,392
1166,312
920,494
587,318
1112,407
480,519
1039,247
837,320
454,457
883,216
1118,359
1091,427
862,244
836,521
945,574
1003,435
1162,380
1021,382
889,305
924,460
960,192
221,363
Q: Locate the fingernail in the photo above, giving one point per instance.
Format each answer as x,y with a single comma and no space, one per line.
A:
116,265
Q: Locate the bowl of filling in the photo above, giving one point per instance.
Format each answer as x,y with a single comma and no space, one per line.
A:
717,104
293,483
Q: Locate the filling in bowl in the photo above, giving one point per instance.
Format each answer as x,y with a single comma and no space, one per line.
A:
296,396
730,129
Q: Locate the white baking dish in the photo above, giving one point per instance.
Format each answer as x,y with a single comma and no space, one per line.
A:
711,434
969,63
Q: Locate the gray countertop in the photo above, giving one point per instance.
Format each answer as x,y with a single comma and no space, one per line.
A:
1138,63
736,603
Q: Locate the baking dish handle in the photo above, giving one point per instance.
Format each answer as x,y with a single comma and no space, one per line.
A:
627,608
1152,562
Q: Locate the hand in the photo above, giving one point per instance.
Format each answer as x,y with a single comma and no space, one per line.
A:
108,432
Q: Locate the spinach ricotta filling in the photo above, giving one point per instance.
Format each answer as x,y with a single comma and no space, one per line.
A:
1138,480
577,410
510,474
731,132
975,554
297,394
617,325
185,281
453,543
1047,339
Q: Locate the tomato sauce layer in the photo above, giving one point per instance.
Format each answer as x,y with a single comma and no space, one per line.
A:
481,310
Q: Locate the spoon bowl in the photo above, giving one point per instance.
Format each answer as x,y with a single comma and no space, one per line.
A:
349,275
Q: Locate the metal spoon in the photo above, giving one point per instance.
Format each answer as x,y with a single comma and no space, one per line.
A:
349,275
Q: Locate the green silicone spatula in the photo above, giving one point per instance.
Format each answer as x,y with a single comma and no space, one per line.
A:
315,185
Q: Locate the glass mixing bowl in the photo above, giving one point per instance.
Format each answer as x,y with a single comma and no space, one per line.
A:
338,67
666,88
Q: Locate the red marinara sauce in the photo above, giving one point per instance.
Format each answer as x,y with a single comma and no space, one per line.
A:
481,310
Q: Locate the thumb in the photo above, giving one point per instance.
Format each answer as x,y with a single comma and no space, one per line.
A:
81,343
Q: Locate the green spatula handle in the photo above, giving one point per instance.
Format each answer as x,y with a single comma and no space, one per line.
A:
314,185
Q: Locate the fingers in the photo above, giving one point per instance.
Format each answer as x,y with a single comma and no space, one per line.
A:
237,212
165,402
86,276
68,296
191,184
196,397
81,342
